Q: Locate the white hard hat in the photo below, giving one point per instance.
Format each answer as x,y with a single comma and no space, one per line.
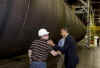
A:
42,32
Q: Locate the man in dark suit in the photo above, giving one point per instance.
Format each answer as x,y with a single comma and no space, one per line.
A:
69,49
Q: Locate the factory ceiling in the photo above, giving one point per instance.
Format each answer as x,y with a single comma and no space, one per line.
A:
95,6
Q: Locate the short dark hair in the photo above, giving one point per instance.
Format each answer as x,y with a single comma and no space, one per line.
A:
65,28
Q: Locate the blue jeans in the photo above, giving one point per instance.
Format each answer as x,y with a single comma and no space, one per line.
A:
37,64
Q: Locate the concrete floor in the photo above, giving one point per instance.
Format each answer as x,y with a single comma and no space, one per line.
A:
89,58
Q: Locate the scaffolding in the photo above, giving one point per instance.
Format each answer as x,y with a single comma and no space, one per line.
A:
91,33
86,7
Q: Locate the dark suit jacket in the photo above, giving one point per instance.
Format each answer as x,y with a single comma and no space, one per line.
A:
69,50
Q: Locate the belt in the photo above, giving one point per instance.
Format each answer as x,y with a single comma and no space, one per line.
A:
39,60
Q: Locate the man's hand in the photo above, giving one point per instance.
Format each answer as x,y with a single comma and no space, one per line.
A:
59,53
54,53
50,42
29,55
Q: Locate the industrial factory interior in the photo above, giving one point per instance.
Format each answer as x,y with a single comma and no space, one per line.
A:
23,22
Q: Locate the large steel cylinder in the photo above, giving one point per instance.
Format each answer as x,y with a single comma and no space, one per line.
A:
23,18
74,24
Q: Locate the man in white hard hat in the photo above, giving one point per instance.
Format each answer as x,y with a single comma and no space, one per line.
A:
39,50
